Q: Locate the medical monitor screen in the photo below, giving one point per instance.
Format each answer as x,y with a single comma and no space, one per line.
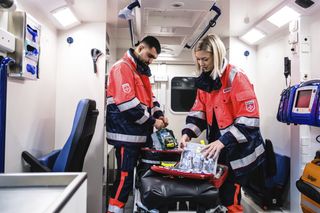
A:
303,98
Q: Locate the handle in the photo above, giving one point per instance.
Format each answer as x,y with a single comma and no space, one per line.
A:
95,67
308,83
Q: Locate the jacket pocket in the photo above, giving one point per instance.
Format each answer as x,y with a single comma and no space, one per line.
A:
245,95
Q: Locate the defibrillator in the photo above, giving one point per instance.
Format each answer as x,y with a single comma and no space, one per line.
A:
285,105
300,104
164,139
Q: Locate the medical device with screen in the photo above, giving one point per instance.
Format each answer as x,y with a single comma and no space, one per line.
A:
286,104
305,107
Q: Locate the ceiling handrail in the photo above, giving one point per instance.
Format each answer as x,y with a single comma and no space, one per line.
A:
126,13
211,23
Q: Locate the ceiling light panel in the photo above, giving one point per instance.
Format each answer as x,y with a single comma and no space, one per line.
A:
253,36
283,16
65,17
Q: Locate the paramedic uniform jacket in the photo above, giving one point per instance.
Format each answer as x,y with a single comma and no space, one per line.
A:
231,115
131,107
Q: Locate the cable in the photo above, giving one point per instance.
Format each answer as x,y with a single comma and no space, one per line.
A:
286,80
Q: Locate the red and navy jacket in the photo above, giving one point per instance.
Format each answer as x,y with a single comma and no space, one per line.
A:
131,106
230,114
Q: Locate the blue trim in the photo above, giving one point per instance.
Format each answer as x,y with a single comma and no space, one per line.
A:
3,103
3,92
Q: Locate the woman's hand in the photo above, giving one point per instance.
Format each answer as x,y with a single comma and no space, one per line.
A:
183,141
213,149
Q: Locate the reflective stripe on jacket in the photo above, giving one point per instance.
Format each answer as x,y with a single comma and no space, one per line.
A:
131,107
236,112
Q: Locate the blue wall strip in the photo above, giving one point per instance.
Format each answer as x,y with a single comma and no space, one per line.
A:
3,97
3,104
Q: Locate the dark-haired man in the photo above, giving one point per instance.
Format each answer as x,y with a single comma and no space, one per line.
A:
132,112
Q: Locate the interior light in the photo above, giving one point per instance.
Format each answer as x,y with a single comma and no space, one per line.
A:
65,16
283,16
252,36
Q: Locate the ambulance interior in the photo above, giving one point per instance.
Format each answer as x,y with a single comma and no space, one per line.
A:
275,52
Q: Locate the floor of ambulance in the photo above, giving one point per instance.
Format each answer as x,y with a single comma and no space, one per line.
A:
247,203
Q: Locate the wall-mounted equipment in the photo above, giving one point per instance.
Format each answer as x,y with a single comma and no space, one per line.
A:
285,105
300,104
27,31
7,41
8,5
95,54
287,68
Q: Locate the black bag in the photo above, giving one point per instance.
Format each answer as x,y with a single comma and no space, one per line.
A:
150,157
159,191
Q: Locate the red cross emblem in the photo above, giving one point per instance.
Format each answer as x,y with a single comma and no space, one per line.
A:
126,88
250,106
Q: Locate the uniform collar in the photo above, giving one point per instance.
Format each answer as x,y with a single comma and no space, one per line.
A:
141,67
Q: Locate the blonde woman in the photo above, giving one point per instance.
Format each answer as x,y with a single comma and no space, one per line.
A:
227,107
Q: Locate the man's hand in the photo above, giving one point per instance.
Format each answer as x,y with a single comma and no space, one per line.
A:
213,149
165,120
159,124
183,141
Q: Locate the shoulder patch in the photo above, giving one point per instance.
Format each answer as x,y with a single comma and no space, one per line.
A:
250,106
126,88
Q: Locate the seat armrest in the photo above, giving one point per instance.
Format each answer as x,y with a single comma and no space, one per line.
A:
49,159
36,166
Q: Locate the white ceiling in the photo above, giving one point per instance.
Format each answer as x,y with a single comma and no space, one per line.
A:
174,27
85,10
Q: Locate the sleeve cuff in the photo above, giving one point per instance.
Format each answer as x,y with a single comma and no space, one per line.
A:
188,132
227,138
150,121
158,114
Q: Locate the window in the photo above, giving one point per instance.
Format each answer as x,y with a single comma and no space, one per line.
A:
183,93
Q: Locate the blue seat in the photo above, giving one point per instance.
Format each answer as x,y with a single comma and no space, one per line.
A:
71,157
268,189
